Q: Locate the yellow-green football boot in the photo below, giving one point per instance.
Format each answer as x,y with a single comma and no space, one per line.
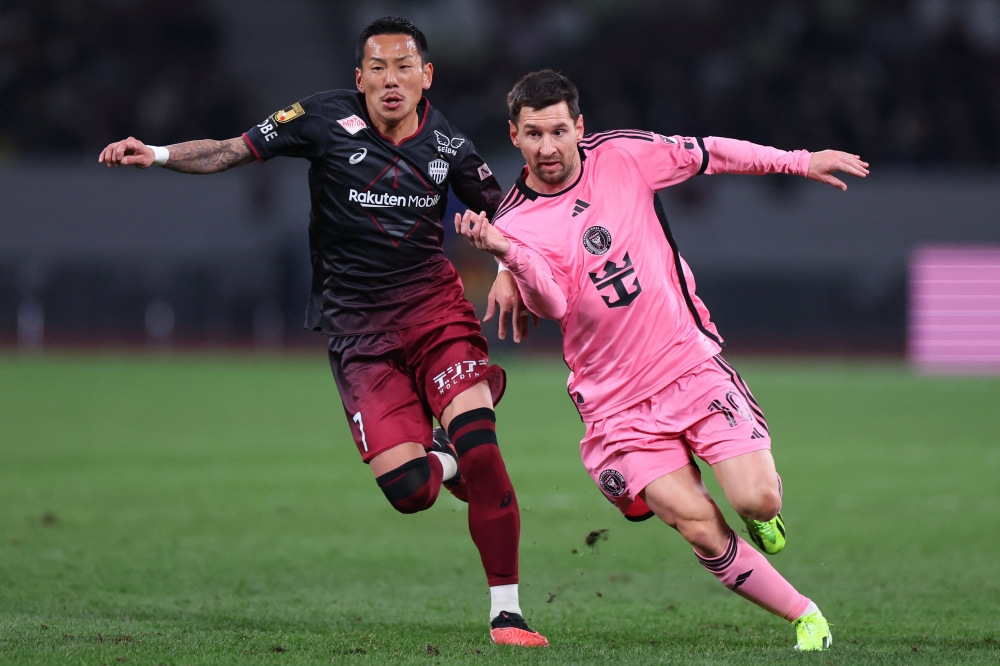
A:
769,535
812,633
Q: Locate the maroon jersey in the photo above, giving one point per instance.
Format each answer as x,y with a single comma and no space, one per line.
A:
375,227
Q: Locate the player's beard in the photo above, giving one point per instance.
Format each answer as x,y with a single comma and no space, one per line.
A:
557,177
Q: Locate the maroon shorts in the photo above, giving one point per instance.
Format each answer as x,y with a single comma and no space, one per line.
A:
392,383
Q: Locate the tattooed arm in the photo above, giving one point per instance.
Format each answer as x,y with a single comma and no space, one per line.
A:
209,156
205,156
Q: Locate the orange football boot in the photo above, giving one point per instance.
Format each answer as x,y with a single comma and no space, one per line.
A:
510,629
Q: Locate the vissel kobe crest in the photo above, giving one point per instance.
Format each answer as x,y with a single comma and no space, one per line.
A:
438,170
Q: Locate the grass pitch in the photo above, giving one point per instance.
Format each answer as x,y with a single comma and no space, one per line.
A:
183,510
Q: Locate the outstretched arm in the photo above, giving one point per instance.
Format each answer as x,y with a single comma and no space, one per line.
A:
205,156
530,270
734,156
824,164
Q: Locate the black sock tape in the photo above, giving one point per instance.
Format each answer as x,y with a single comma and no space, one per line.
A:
405,480
471,416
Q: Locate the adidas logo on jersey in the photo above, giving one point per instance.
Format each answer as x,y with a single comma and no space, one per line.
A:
580,206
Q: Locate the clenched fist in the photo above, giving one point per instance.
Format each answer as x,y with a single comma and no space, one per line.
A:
130,152
484,236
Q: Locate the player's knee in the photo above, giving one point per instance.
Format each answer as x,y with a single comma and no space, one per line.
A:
408,487
703,535
763,505
770,504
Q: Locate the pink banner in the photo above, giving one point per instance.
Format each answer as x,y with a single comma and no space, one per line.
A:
954,313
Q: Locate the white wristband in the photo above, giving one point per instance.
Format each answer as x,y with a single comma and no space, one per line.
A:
160,155
501,268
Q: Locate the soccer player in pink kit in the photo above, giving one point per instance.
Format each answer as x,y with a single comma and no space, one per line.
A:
586,239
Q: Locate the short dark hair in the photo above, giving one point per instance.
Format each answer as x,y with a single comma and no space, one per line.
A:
392,25
541,89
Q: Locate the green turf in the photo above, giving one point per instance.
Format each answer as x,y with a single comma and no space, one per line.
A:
183,510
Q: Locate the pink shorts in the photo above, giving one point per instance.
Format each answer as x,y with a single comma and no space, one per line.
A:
707,412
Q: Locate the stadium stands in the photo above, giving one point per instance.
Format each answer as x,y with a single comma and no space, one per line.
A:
912,85
73,74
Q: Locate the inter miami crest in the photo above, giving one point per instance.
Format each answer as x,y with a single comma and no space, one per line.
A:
597,240
438,170
612,483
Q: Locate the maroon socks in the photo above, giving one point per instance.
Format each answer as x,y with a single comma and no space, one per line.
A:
494,520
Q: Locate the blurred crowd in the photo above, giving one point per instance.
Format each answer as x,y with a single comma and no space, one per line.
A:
914,82
896,80
75,74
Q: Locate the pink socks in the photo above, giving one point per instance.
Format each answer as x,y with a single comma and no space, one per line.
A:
745,571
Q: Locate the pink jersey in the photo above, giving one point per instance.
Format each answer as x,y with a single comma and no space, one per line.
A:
600,258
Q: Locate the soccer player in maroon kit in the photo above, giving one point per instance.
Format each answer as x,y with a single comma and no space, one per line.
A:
404,343
585,237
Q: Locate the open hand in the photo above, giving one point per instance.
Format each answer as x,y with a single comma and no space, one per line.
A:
824,164
484,236
505,294
130,152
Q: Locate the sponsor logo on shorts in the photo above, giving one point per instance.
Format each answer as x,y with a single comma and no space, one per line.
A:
613,483
457,373
597,240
